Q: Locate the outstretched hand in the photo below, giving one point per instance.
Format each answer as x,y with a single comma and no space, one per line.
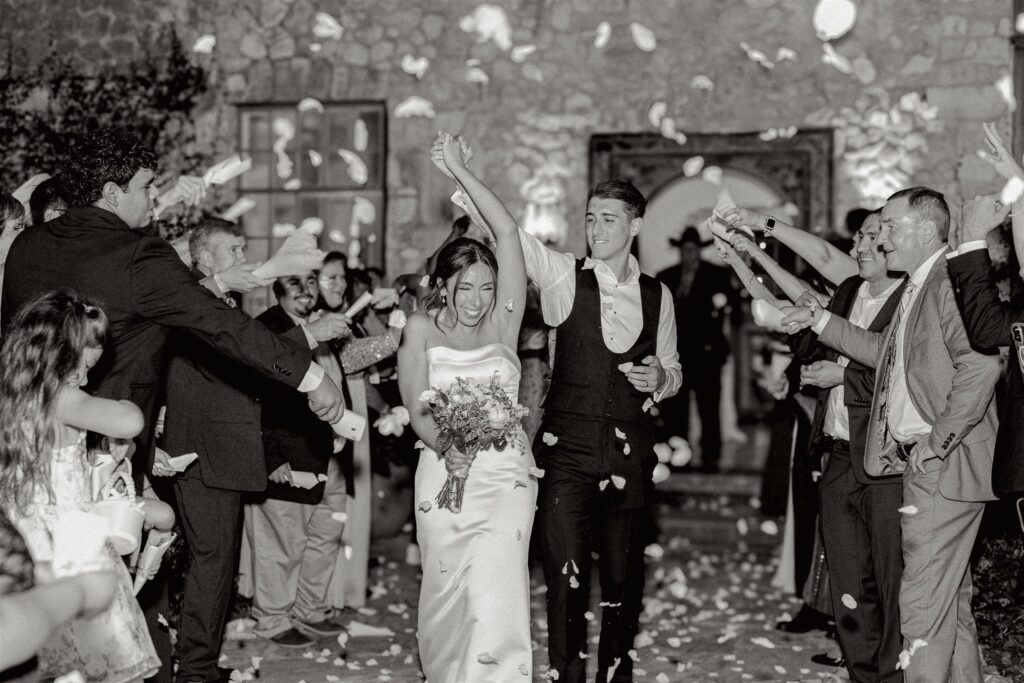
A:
998,156
980,215
450,152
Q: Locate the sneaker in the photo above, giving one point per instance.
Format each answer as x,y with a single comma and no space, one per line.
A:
331,626
290,638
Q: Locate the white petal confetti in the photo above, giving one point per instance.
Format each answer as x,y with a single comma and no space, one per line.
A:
643,37
769,527
477,75
757,56
908,510
834,59
357,170
648,404
656,113
619,433
603,484
510,305
424,282
588,615
326,26
603,34
785,54
833,18
360,136
414,106
339,517
415,66
310,104
663,452
618,482
668,129
489,23
625,449
1005,87
763,642
425,506
486,658
315,158
549,439
693,166
204,44
574,582
849,601
521,52
661,473
702,82
712,174
1019,24
536,472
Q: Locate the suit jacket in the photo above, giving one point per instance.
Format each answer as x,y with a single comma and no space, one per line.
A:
212,411
950,384
858,379
989,323
145,291
700,338
292,433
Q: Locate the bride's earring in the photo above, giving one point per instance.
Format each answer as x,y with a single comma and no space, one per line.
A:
444,297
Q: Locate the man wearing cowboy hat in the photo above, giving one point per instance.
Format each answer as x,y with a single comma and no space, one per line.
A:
702,293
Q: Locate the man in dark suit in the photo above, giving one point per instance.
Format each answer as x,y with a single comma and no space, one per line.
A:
933,421
860,522
295,533
145,290
990,324
702,293
212,412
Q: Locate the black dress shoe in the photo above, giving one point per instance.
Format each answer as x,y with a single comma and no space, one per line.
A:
805,621
290,638
826,659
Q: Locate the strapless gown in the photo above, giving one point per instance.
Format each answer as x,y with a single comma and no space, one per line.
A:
474,611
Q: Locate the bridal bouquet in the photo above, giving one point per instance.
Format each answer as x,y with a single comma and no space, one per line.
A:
472,416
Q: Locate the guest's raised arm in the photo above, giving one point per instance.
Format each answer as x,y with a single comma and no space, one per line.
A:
511,291
833,264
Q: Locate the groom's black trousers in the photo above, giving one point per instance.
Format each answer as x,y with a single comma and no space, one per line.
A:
577,515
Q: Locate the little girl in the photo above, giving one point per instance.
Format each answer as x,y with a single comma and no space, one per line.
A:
46,354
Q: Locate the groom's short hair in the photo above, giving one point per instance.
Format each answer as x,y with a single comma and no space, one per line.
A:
625,192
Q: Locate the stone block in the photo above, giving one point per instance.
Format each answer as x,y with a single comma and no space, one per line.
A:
253,46
381,52
970,102
356,54
282,45
433,26
273,12
918,64
261,81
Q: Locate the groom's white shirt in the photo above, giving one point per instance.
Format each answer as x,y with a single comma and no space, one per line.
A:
621,313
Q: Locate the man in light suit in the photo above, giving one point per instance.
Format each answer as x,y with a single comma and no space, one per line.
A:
933,419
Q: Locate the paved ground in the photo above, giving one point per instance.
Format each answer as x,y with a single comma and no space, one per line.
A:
710,611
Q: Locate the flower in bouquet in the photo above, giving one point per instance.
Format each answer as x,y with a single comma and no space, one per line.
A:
471,416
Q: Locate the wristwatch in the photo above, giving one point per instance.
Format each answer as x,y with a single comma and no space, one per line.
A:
769,225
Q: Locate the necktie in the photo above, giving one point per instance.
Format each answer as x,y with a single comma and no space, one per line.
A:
889,361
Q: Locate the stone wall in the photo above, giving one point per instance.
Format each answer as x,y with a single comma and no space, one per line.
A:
528,91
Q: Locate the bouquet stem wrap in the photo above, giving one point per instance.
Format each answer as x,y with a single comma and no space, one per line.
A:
454,487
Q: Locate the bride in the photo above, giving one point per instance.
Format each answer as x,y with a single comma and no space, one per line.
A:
474,609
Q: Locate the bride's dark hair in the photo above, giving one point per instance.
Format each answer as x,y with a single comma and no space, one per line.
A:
453,260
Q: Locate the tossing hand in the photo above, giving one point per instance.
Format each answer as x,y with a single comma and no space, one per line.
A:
437,153
162,464
737,217
646,376
797,318
998,156
240,278
330,326
979,216
326,401
823,374
188,190
282,475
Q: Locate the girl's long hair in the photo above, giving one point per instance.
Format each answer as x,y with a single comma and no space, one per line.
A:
42,347
453,260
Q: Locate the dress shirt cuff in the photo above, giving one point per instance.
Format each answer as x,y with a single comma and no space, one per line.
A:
220,285
973,245
311,380
310,339
670,385
819,326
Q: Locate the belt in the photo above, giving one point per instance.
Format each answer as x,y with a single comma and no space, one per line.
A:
833,445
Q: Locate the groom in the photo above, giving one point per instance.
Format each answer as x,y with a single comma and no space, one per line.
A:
615,353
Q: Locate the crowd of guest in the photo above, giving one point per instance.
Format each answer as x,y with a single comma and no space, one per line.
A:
131,374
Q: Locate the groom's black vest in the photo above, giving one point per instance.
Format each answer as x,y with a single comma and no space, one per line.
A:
585,378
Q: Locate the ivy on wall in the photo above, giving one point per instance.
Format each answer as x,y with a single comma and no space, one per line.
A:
152,95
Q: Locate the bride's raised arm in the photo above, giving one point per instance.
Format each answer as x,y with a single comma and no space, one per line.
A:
510,299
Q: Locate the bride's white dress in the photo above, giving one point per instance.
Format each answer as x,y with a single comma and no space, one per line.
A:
474,611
